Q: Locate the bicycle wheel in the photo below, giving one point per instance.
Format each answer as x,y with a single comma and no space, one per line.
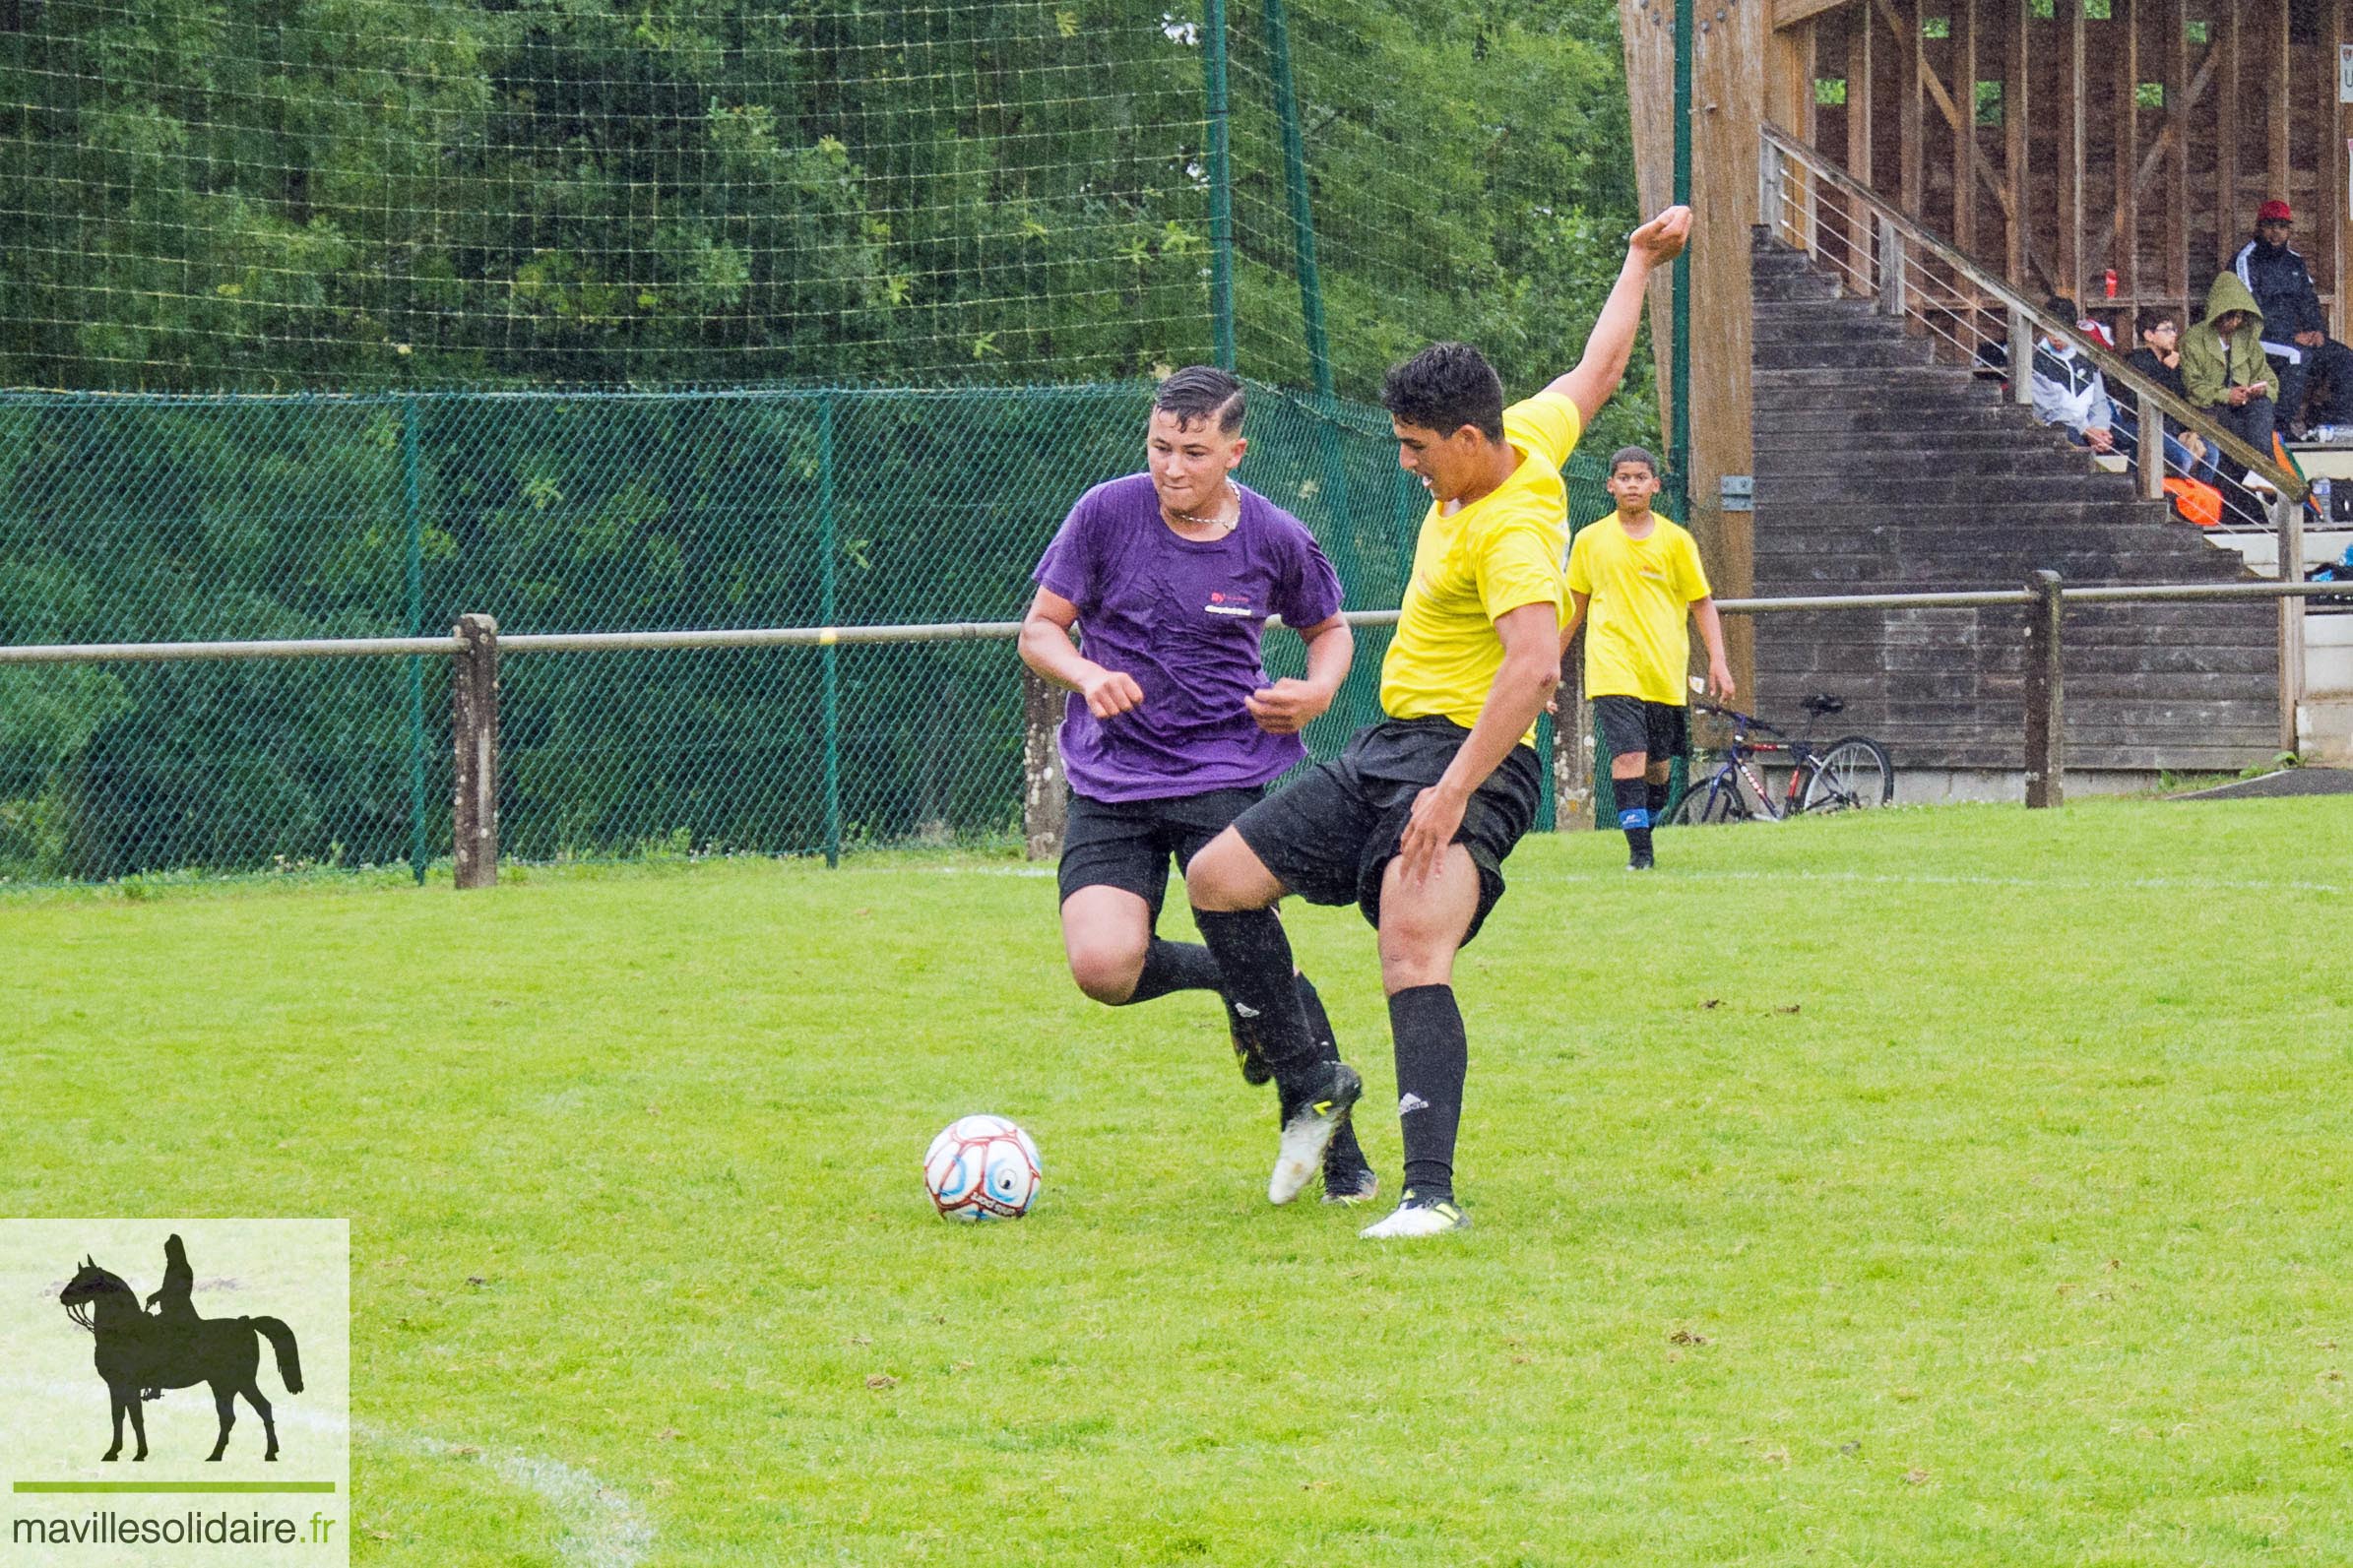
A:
1852,774
1705,805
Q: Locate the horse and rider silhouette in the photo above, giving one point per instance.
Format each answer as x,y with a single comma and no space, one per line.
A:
172,1347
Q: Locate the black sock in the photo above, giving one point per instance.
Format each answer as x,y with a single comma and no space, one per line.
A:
1654,795
1174,967
1633,819
1346,1152
1255,958
1432,1057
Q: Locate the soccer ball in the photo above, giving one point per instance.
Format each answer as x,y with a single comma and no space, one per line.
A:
982,1167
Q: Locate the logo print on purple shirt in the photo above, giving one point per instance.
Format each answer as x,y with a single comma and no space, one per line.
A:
1222,604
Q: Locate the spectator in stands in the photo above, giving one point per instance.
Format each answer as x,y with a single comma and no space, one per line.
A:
2068,389
2295,334
2159,357
2223,369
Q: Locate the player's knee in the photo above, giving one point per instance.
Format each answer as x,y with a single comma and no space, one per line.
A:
1629,766
1226,876
1106,970
1411,958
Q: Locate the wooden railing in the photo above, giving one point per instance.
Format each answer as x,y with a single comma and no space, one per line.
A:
1878,252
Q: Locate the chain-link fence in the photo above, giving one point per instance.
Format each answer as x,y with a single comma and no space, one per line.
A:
127,518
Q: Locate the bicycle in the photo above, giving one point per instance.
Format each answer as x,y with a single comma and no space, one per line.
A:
1850,774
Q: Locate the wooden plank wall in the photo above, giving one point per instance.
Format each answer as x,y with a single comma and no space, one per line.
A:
2139,135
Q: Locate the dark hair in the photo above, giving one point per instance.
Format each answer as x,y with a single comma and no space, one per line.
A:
2061,305
1445,387
1200,394
2153,317
1639,454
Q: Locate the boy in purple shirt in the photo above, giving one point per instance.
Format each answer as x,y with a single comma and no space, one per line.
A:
1174,729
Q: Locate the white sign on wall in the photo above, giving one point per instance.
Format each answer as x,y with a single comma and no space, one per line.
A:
2344,73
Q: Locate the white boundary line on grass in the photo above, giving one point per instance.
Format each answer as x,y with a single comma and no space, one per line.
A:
1962,880
602,1527
1675,874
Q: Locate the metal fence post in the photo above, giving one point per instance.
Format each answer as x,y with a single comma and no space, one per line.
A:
413,625
829,655
1220,180
2289,517
1045,792
2021,358
2046,732
473,716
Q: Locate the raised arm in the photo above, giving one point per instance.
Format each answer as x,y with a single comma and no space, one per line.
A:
1611,341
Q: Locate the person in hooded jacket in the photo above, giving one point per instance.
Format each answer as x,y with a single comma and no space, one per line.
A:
2223,368
2295,333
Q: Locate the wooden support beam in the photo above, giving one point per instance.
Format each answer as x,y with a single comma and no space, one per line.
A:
2125,224
2222,39
1790,69
2014,101
2071,157
2331,218
1966,160
2046,724
2277,104
2173,149
1789,13
1911,190
1860,91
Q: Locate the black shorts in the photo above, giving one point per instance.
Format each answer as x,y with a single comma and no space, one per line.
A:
1629,725
1126,844
1330,836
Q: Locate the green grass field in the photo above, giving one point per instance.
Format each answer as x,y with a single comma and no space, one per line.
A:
1937,1187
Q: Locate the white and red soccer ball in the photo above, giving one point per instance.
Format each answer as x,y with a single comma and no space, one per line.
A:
982,1167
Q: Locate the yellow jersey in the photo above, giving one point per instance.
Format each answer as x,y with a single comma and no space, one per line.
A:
1500,553
1637,627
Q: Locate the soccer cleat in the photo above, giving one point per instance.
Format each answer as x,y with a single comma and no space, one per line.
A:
1354,1182
1639,860
1308,1131
1414,1217
1253,1066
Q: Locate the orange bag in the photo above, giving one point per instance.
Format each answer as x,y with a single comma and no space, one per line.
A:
2196,502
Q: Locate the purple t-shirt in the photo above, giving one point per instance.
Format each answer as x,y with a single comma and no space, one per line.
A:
1183,618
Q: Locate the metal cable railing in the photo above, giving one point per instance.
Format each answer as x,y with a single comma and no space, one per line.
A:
475,649
1878,253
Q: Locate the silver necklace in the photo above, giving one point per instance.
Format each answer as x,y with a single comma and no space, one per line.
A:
1211,522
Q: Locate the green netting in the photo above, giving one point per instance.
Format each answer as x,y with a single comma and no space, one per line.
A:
171,519
939,248
190,519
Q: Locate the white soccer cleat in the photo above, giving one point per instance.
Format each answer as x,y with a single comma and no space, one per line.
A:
1310,1132
1413,1219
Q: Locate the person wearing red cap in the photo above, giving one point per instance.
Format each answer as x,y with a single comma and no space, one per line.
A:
2295,333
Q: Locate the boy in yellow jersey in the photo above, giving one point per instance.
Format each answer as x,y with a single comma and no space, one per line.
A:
1413,821
1640,575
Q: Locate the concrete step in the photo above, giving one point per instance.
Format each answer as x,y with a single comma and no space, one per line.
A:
1929,421
1859,356
1969,492
1879,386
1819,464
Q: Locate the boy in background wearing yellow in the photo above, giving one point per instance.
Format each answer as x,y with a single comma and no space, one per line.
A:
1638,575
